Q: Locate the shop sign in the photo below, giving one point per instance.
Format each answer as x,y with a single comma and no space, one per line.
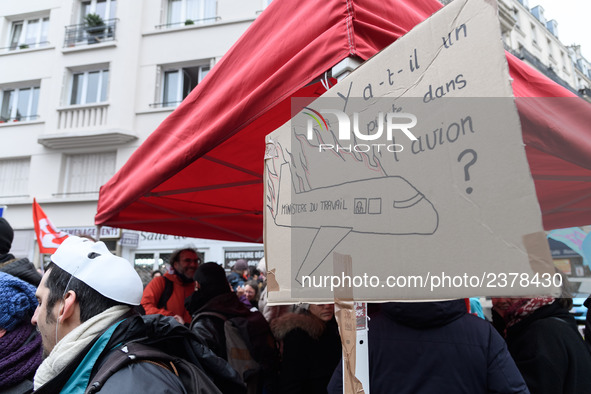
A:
106,232
130,239
251,256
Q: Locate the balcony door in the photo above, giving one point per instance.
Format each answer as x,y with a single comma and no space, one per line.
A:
106,9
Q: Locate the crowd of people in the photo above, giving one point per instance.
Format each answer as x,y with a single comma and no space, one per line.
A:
88,325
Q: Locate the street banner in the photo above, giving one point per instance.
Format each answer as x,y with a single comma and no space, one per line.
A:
414,166
48,237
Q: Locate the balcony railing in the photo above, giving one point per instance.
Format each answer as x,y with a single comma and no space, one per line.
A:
82,116
83,34
189,22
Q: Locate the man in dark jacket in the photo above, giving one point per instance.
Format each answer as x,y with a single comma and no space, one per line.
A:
544,341
436,347
85,313
215,295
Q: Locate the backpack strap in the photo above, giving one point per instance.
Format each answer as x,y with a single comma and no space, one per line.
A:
127,354
166,294
214,314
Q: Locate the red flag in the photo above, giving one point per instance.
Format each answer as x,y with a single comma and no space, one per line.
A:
48,237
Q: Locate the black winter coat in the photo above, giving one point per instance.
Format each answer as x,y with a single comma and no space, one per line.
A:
433,348
311,350
21,268
550,353
260,340
587,332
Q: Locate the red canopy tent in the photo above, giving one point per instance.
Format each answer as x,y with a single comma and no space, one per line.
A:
200,173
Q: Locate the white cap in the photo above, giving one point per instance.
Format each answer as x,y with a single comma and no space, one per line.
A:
93,264
262,266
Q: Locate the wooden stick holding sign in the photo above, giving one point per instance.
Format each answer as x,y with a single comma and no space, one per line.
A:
345,312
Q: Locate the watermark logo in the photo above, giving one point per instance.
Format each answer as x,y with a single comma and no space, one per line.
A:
402,121
318,118
391,122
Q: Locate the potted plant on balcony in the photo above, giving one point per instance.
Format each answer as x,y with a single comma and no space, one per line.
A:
95,27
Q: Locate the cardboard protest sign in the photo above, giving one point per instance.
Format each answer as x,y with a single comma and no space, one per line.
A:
414,166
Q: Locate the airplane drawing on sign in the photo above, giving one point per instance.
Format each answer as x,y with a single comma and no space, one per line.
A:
387,205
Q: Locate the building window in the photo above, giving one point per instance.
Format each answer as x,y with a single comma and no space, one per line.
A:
19,104
86,173
516,17
550,51
89,87
28,33
95,23
190,12
179,82
106,9
14,177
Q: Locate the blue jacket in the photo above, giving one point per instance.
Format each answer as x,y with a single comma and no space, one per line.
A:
436,347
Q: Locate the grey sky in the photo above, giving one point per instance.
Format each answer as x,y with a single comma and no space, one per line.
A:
572,17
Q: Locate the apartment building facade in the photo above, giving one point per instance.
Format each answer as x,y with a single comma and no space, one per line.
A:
532,37
82,84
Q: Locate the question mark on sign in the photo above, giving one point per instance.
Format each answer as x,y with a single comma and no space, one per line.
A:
468,165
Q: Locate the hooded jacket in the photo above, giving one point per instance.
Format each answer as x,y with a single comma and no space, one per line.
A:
550,353
436,347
